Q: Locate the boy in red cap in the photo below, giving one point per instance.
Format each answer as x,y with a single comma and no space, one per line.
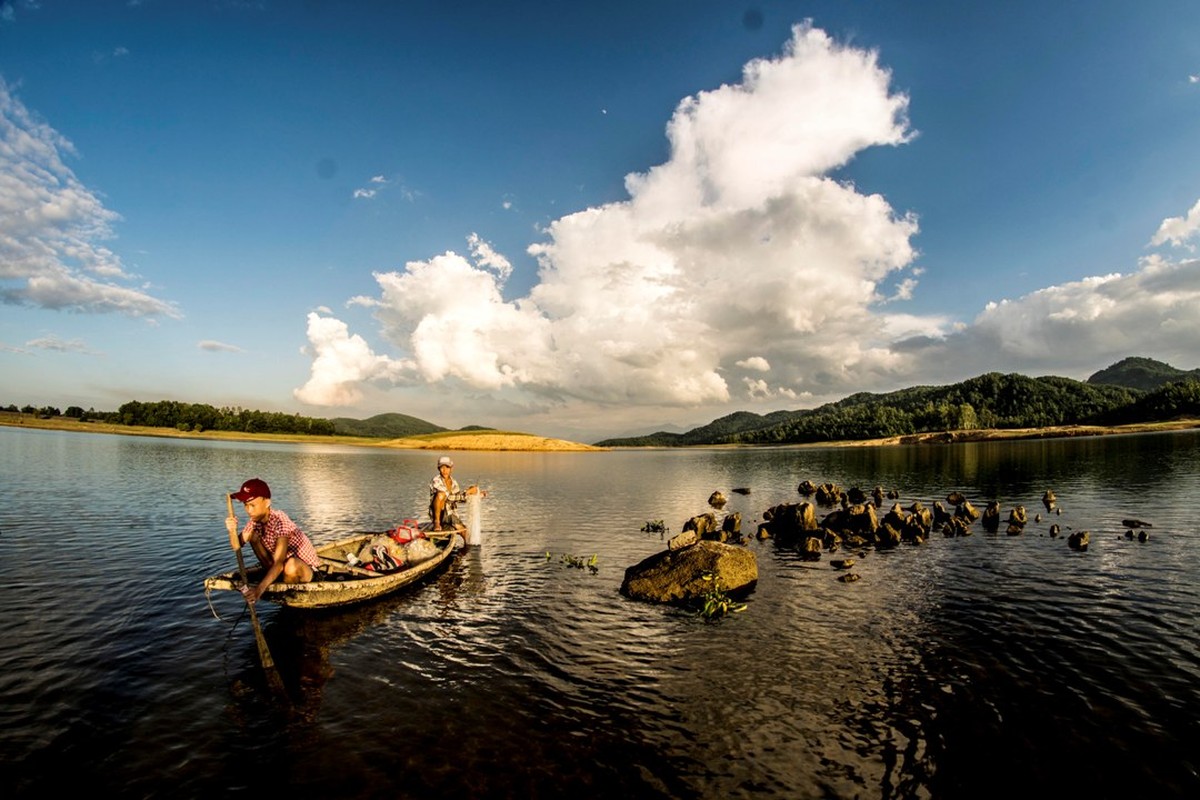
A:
282,548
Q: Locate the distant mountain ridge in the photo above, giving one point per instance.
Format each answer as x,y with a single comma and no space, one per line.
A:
992,400
1142,373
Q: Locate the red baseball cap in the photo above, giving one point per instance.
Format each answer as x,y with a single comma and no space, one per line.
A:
255,487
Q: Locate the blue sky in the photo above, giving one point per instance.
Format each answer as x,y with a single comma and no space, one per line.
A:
585,220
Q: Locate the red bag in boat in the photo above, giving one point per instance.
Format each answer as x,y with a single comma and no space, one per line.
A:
406,532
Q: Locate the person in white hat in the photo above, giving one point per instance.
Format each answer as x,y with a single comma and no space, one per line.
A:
444,497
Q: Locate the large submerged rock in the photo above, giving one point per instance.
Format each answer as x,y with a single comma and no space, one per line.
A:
677,576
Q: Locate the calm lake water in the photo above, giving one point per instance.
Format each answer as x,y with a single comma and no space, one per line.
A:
983,666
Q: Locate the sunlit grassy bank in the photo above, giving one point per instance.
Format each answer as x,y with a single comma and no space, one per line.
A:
447,440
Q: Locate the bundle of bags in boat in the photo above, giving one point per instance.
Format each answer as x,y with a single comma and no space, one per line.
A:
406,531
387,552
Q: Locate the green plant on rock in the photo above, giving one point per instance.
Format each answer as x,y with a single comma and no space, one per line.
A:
714,603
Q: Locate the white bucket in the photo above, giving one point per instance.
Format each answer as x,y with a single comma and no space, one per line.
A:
474,535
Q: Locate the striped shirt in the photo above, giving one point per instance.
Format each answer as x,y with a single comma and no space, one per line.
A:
280,524
454,495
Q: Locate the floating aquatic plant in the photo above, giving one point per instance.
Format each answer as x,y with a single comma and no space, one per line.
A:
714,602
577,562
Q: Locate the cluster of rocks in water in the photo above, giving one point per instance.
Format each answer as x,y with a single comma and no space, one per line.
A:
708,549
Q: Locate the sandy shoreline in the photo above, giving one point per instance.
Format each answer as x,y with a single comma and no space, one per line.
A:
498,441
450,440
489,441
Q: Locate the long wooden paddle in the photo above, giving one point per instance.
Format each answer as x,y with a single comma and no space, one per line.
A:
264,653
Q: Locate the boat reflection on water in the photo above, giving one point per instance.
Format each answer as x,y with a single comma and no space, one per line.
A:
304,642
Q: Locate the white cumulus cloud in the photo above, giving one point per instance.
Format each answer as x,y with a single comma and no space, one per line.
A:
737,272
1077,326
755,363
1178,231
737,252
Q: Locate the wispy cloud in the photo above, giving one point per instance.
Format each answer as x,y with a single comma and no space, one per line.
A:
213,346
116,52
367,193
57,345
379,183
52,227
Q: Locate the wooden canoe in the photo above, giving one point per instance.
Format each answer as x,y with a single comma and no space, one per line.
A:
337,583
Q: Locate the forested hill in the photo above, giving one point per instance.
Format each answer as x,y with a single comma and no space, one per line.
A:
202,417
1142,373
385,426
988,401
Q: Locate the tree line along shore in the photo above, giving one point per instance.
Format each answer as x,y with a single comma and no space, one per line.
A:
1134,395
498,441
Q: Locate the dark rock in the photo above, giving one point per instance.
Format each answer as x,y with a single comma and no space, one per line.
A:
682,540
991,517
1018,516
1016,521
677,576
849,577
887,536
1079,540
789,521
1135,523
966,511
856,541
858,519
731,526
829,494
831,541
701,524
717,500
956,526
923,514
